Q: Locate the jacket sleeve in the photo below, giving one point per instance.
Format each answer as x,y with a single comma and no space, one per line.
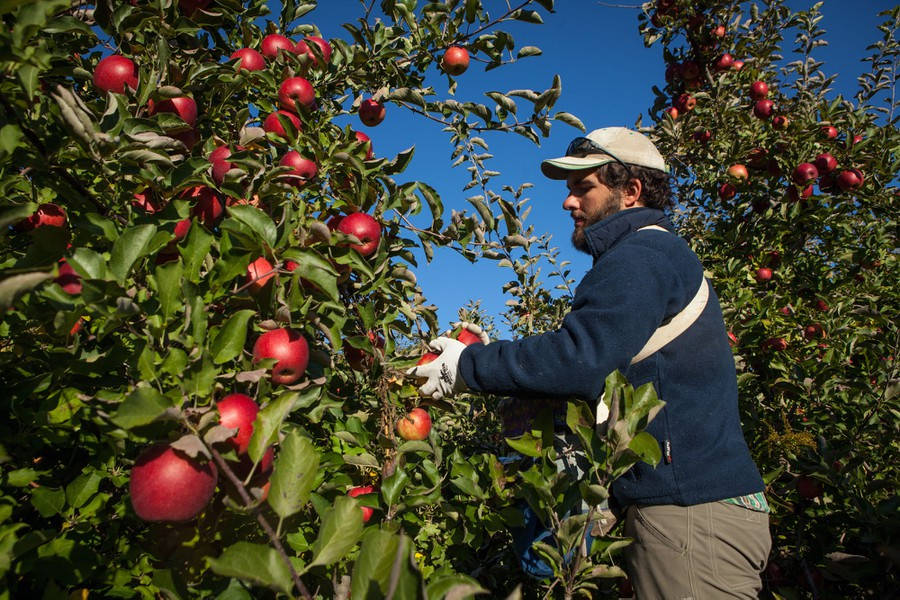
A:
617,307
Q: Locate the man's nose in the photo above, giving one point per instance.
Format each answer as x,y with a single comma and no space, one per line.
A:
571,202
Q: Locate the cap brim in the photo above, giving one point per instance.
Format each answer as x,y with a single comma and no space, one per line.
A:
559,168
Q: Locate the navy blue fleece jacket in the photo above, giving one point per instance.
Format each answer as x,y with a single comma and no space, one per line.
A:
639,280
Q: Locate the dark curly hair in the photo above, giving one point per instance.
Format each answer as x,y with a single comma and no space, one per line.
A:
656,186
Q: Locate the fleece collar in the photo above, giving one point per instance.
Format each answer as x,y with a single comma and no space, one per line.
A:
605,234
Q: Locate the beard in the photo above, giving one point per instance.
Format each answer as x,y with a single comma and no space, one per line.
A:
608,209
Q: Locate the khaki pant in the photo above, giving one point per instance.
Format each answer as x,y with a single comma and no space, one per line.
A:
702,552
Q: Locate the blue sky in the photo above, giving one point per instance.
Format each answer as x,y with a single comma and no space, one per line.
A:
607,76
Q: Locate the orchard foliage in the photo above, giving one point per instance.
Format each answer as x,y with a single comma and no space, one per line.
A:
816,343
160,255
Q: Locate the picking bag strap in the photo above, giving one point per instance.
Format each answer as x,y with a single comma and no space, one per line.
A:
668,332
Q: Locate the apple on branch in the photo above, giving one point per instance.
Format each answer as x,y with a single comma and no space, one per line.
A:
290,350
455,60
238,411
415,425
115,72
362,490
166,485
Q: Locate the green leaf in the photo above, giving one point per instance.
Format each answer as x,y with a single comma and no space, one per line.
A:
195,250
230,337
130,246
529,51
10,139
384,557
454,586
341,529
646,446
254,562
526,444
268,422
569,119
13,287
82,488
294,475
89,264
142,406
28,77
168,283
255,219
48,501
318,271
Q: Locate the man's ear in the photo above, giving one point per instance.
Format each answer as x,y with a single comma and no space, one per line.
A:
631,195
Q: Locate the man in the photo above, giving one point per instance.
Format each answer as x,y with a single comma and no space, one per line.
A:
699,520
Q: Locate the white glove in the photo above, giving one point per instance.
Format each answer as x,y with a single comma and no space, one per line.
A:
444,378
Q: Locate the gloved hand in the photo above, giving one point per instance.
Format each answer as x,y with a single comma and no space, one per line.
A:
470,333
443,376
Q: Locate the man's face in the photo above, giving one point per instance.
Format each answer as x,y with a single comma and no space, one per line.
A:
589,201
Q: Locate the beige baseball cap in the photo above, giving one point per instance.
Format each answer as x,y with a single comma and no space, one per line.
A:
601,146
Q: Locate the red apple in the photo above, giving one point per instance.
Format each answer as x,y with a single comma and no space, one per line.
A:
189,138
238,411
727,191
804,173
759,90
850,179
685,103
702,136
289,348
763,274
732,339
738,172
808,487
795,194
829,132
220,165
68,279
672,112
208,207
183,106
114,72
690,70
737,65
181,229
302,169
304,47
856,139
781,122
468,338
188,7
296,92
249,59
724,62
825,163
290,266
273,43
362,490
272,124
415,425
47,214
168,486
718,31
813,331
147,201
455,60
259,273
365,228
763,109
777,344
366,142
371,112
427,358
360,360
821,305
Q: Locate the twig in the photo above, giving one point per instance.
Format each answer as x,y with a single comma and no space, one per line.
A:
273,538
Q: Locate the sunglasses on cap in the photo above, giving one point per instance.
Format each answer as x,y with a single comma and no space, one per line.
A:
582,146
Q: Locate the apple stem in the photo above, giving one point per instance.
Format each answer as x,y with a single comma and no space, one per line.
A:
261,519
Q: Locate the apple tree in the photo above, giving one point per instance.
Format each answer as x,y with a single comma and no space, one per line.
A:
209,298
788,193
